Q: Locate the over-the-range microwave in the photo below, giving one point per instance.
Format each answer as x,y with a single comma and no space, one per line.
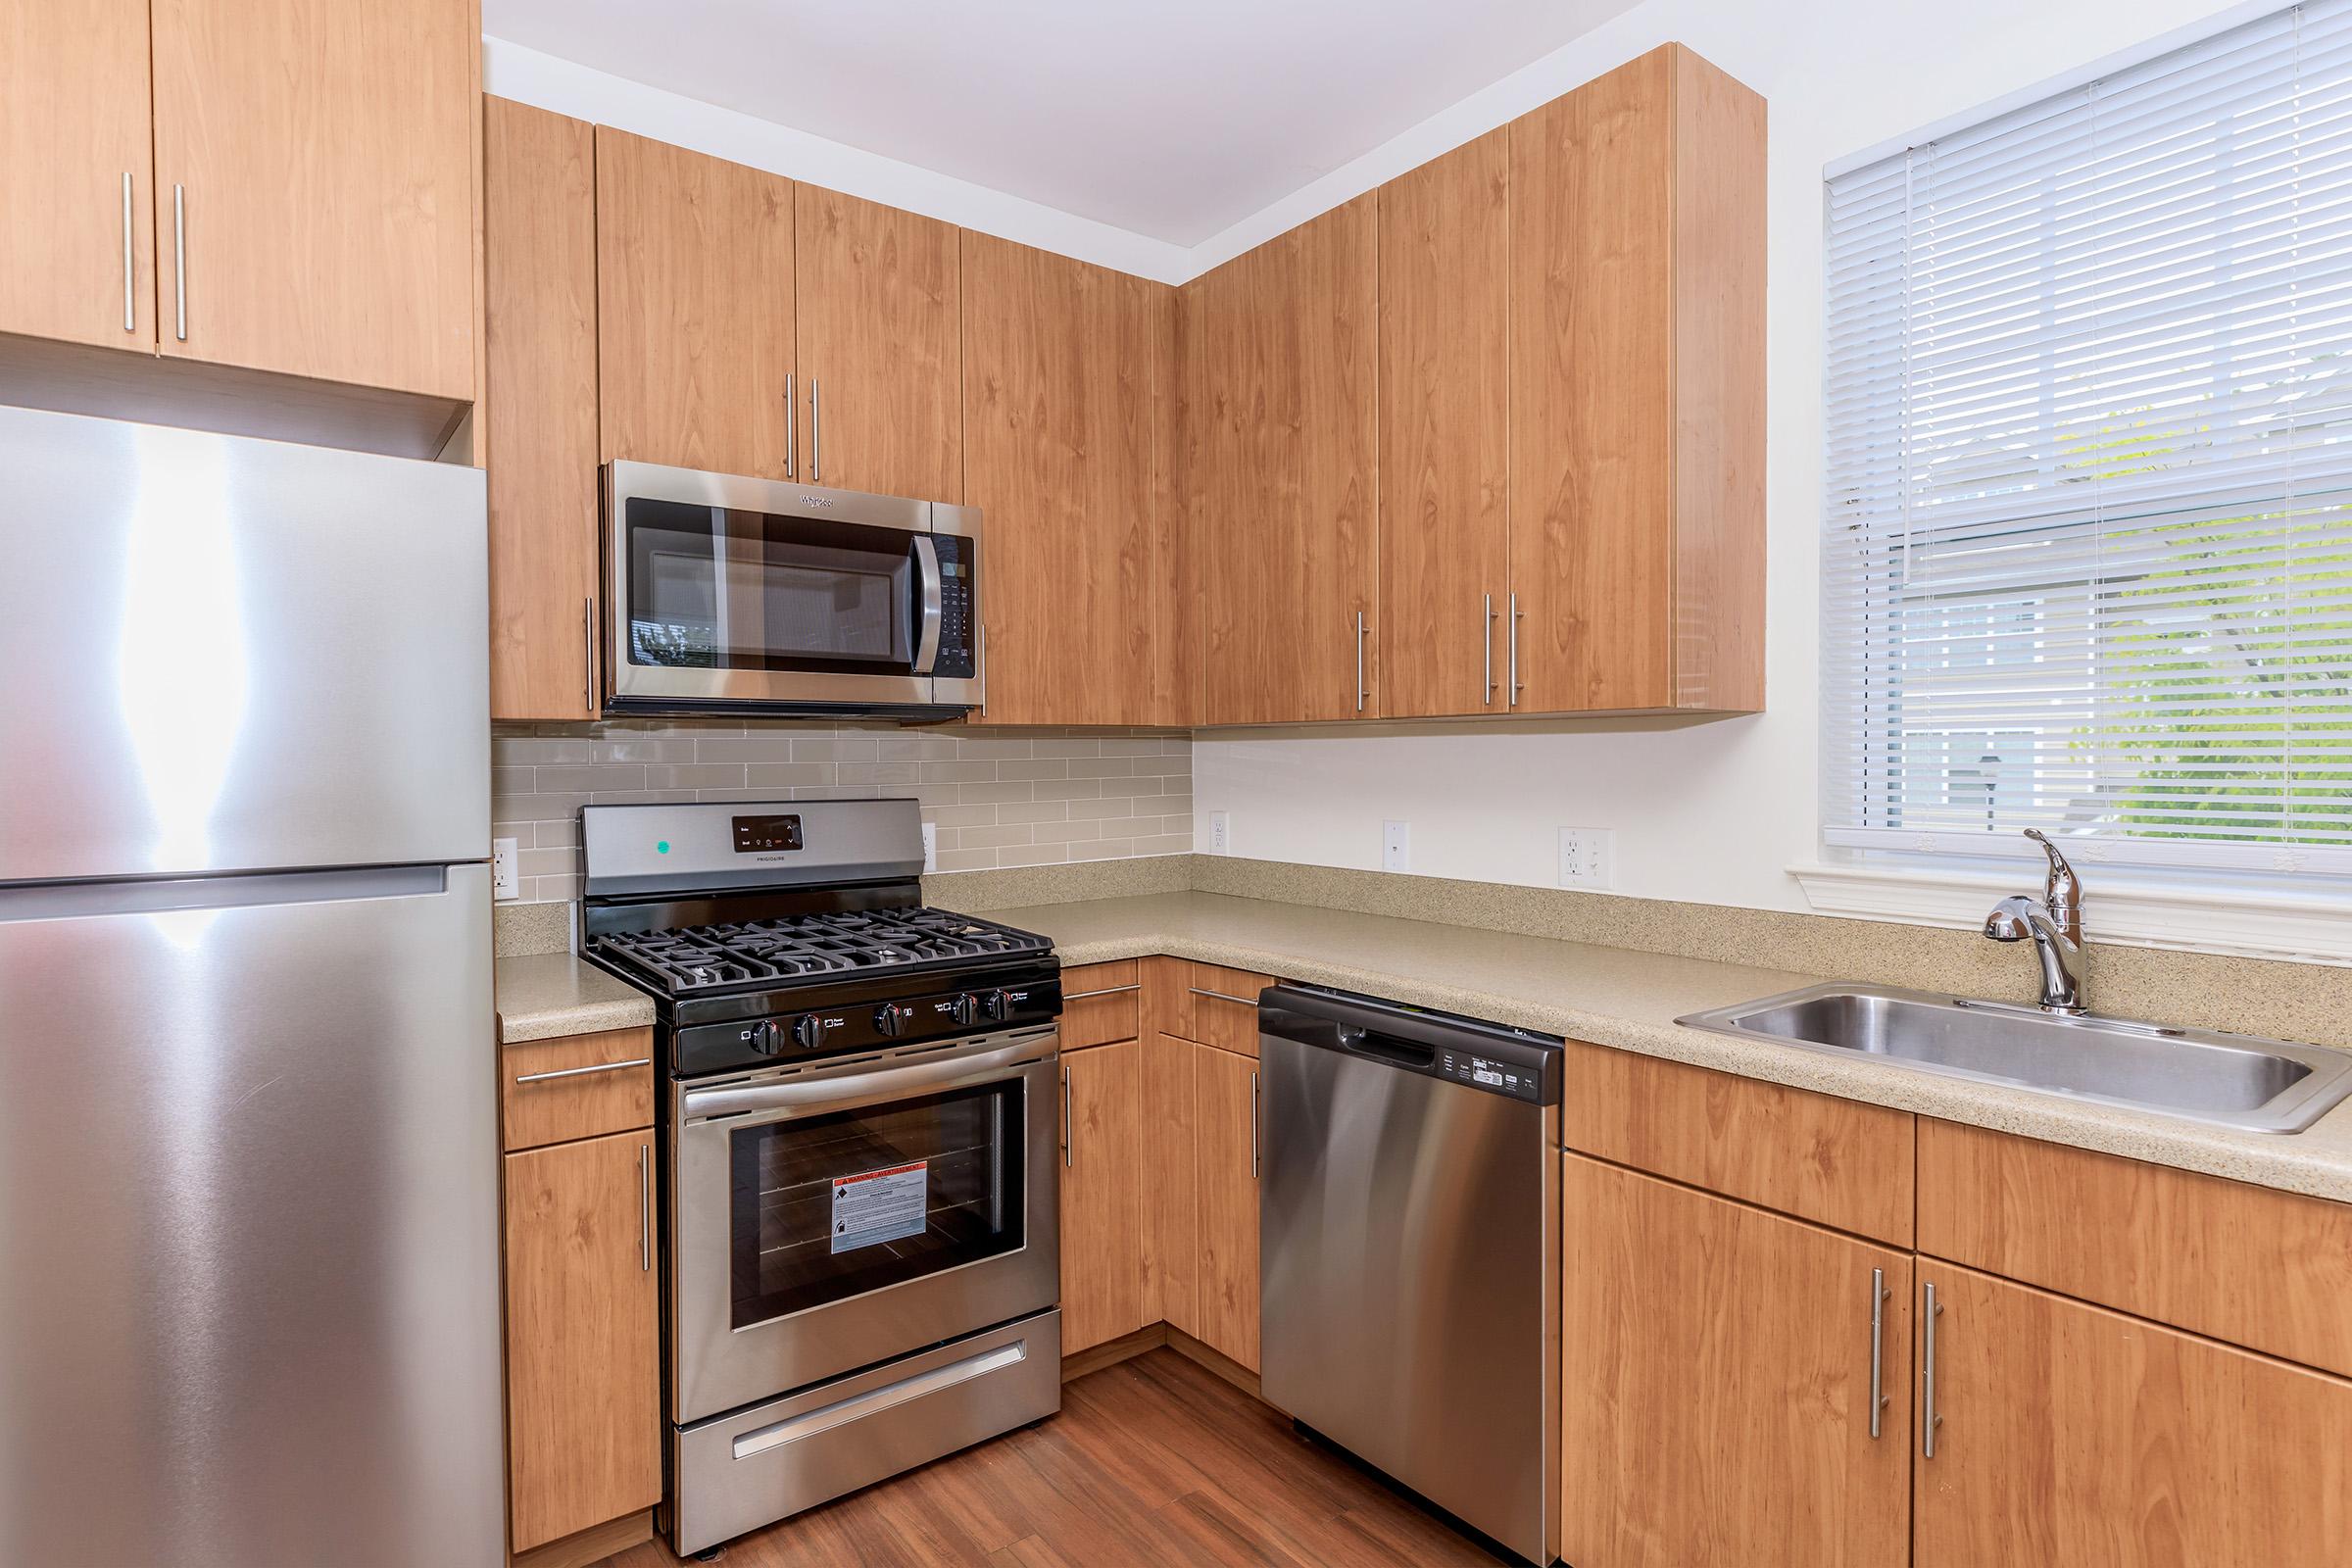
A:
729,595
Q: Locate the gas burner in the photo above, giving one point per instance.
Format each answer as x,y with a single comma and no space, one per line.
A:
701,958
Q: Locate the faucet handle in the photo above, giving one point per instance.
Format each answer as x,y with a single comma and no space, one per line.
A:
2062,891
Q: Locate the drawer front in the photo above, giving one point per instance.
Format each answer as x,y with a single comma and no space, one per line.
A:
576,1086
1834,1161
1101,1004
2257,1267
1224,1007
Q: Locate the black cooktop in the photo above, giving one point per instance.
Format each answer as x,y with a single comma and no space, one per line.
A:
826,946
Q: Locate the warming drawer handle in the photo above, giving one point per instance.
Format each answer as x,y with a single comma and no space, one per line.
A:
826,1417
575,1072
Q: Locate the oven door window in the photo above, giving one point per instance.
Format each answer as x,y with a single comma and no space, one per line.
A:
714,588
830,1206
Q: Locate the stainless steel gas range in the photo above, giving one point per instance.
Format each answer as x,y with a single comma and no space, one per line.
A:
860,1232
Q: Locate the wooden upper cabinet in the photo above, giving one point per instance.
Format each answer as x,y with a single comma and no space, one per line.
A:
1444,519
1636,391
1281,473
2072,1437
583,1336
694,309
1716,1384
881,395
1065,367
537,428
78,166
315,171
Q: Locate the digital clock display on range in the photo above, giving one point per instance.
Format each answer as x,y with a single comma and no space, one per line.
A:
754,835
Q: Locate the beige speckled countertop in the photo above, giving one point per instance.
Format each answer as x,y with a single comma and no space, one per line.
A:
549,994
1619,996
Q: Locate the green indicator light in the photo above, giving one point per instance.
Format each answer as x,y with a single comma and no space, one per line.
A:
662,847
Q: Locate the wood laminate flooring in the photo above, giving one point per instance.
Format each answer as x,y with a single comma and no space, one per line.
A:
1156,1460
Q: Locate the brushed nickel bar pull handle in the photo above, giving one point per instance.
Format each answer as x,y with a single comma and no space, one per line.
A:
576,1072
1489,637
644,1209
180,255
1068,1155
1254,1126
1219,995
588,664
1517,685
1928,1420
1877,1347
1359,661
792,426
1106,990
131,317
817,433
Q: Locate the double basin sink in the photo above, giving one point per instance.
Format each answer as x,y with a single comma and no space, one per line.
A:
2228,1080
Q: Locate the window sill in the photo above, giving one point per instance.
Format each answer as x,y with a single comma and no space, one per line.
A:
2241,922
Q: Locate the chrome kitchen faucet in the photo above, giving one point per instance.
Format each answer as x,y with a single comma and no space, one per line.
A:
2054,923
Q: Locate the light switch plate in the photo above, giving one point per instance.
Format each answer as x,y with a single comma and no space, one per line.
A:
1396,846
1220,833
930,845
506,880
1587,857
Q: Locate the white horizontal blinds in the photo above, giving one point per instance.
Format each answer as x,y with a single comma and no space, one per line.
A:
2088,554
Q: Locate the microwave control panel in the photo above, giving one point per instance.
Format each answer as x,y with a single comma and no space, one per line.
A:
957,607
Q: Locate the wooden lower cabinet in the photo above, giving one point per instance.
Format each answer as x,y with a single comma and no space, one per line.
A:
1715,1383
1172,1196
1225,1140
583,1336
1103,1175
2072,1437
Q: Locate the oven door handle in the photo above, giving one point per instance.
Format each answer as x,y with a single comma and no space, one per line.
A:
926,560
843,1091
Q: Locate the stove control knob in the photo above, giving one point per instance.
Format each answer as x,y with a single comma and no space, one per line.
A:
995,1006
966,1010
889,1020
765,1038
808,1031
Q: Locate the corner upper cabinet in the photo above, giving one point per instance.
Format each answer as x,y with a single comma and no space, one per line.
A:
1065,370
1281,473
1636,392
881,352
538,426
315,174
77,165
1445,382
695,308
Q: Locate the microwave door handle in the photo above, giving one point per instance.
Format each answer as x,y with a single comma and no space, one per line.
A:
927,650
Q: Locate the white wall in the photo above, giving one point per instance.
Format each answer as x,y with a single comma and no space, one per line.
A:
1714,812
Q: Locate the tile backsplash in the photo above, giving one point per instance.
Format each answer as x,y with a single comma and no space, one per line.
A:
997,797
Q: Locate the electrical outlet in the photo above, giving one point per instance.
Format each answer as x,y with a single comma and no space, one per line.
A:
1586,854
1220,832
930,845
506,880
1396,846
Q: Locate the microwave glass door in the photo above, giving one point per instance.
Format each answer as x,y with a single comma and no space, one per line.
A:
721,588
829,1206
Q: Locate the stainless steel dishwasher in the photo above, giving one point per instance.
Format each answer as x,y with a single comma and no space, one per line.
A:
1409,1250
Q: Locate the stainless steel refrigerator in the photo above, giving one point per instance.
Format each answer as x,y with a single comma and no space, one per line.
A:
249,1300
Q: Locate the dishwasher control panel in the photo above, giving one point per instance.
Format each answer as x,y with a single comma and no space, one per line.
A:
1512,1078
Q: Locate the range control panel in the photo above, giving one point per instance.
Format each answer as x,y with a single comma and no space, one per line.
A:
848,1027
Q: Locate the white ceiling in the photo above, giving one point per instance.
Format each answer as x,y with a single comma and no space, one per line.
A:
1169,119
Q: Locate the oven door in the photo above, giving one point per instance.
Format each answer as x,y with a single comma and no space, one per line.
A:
733,593
830,1217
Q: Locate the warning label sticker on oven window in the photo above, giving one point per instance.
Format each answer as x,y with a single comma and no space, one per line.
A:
880,1206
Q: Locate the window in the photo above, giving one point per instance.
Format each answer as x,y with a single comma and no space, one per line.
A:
2088,551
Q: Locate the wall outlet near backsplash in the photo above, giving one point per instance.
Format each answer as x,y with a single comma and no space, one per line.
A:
1588,856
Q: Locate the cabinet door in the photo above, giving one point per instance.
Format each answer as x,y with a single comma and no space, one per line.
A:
1444,524
1281,484
1101,1195
1226,1140
1715,1384
77,162
1172,1190
694,309
880,348
583,1336
1065,367
538,426
2072,1437
315,168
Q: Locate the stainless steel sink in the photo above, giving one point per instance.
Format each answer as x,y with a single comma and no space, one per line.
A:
2231,1080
